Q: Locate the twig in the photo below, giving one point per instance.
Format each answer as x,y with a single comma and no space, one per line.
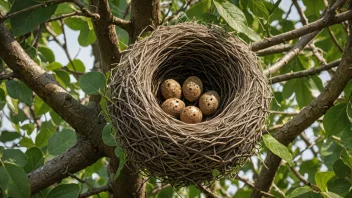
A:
63,16
127,10
124,24
292,53
307,142
251,185
289,11
206,191
183,7
7,76
314,26
157,190
334,39
284,113
84,10
301,177
42,4
305,73
277,189
274,128
35,120
37,36
274,50
95,191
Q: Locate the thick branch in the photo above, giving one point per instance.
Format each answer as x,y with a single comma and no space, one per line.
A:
106,34
44,85
145,16
305,73
306,118
124,24
81,155
312,27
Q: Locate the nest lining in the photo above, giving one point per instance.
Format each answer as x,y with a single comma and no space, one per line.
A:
163,146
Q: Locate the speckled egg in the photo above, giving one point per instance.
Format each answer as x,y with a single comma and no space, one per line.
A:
209,102
192,88
171,89
173,106
191,115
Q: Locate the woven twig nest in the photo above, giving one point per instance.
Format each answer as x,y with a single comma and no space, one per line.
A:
167,148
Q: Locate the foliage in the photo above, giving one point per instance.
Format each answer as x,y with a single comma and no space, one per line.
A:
36,133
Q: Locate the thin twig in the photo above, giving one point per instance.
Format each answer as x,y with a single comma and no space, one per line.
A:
302,179
81,5
42,4
157,190
251,185
206,191
7,76
63,16
305,73
284,113
95,191
334,39
307,142
274,50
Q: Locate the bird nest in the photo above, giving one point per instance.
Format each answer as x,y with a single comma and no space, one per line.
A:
167,148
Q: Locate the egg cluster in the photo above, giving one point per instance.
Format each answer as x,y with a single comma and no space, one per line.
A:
192,91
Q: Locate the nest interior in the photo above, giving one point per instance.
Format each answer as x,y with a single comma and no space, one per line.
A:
162,146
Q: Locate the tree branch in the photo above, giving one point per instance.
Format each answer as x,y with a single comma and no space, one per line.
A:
81,155
312,27
45,86
106,34
7,76
95,191
274,50
305,73
305,118
335,40
292,53
206,191
124,24
145,16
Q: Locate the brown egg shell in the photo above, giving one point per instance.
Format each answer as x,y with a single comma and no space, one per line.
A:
173,106
209,102
170,88
191,115
192,88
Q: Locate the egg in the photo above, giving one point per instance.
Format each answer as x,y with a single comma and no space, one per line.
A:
191,115
209,102
171,89
192,88
173,106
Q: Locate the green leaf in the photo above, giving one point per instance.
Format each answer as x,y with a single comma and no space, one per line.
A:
299,191
122,160
17,181
330,195
27,21
93,83
55,117
61,141
258,8
64,191
14,156
313,8
86,36
75,23
193,192
215,173
29,128
336,120
4,181
322,178
47,54
349,111
63,78
35,159
277,148
41,140
54,66
108,135
301,88
339,186
27,142
166,193
235,18
7,136
341,169
18,90
2,99
198,9
78,66
348,90
346,156
40,107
